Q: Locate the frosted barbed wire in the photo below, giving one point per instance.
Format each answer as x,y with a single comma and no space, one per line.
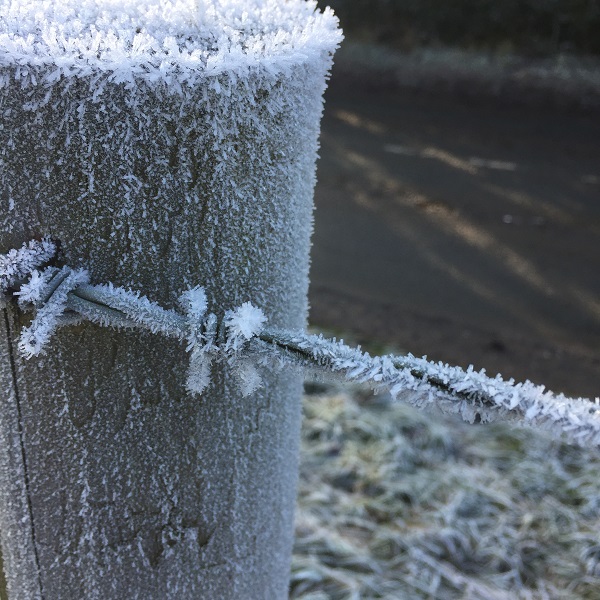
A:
136,308
19,263
471,394
205,340
47,319
60,296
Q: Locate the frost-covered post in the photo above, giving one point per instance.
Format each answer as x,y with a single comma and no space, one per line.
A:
163,145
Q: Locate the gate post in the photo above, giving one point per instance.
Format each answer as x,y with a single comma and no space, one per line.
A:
163,146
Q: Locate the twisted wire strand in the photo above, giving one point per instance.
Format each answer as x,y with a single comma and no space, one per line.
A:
59,297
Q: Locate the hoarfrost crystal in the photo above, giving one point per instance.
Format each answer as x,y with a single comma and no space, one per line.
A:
242,324
19,263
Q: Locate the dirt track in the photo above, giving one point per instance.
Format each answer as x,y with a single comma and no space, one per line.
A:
468,231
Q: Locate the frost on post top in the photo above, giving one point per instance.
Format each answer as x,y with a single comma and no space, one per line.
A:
206,111
178,41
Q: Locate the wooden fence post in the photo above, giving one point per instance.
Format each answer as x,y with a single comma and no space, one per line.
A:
164,147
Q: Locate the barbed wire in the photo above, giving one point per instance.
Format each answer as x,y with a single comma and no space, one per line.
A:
61,296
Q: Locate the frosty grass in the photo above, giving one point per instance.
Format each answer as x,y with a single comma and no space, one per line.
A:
394,503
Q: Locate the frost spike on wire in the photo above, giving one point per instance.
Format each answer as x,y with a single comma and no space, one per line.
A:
31,292
60,296
19,264
135,307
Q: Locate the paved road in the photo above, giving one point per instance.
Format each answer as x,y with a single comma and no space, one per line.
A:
468,232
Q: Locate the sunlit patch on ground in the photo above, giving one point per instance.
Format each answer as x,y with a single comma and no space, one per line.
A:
395,503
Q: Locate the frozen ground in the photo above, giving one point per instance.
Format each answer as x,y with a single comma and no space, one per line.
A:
398,504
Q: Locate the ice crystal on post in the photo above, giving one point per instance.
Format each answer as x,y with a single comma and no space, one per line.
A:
198,375
247,377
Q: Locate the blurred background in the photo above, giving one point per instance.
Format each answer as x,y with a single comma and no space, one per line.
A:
458,196
457,216
529,27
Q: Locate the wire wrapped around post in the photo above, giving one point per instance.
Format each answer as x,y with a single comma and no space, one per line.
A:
472,394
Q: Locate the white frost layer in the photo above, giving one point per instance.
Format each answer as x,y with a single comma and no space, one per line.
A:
156,183
178,42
